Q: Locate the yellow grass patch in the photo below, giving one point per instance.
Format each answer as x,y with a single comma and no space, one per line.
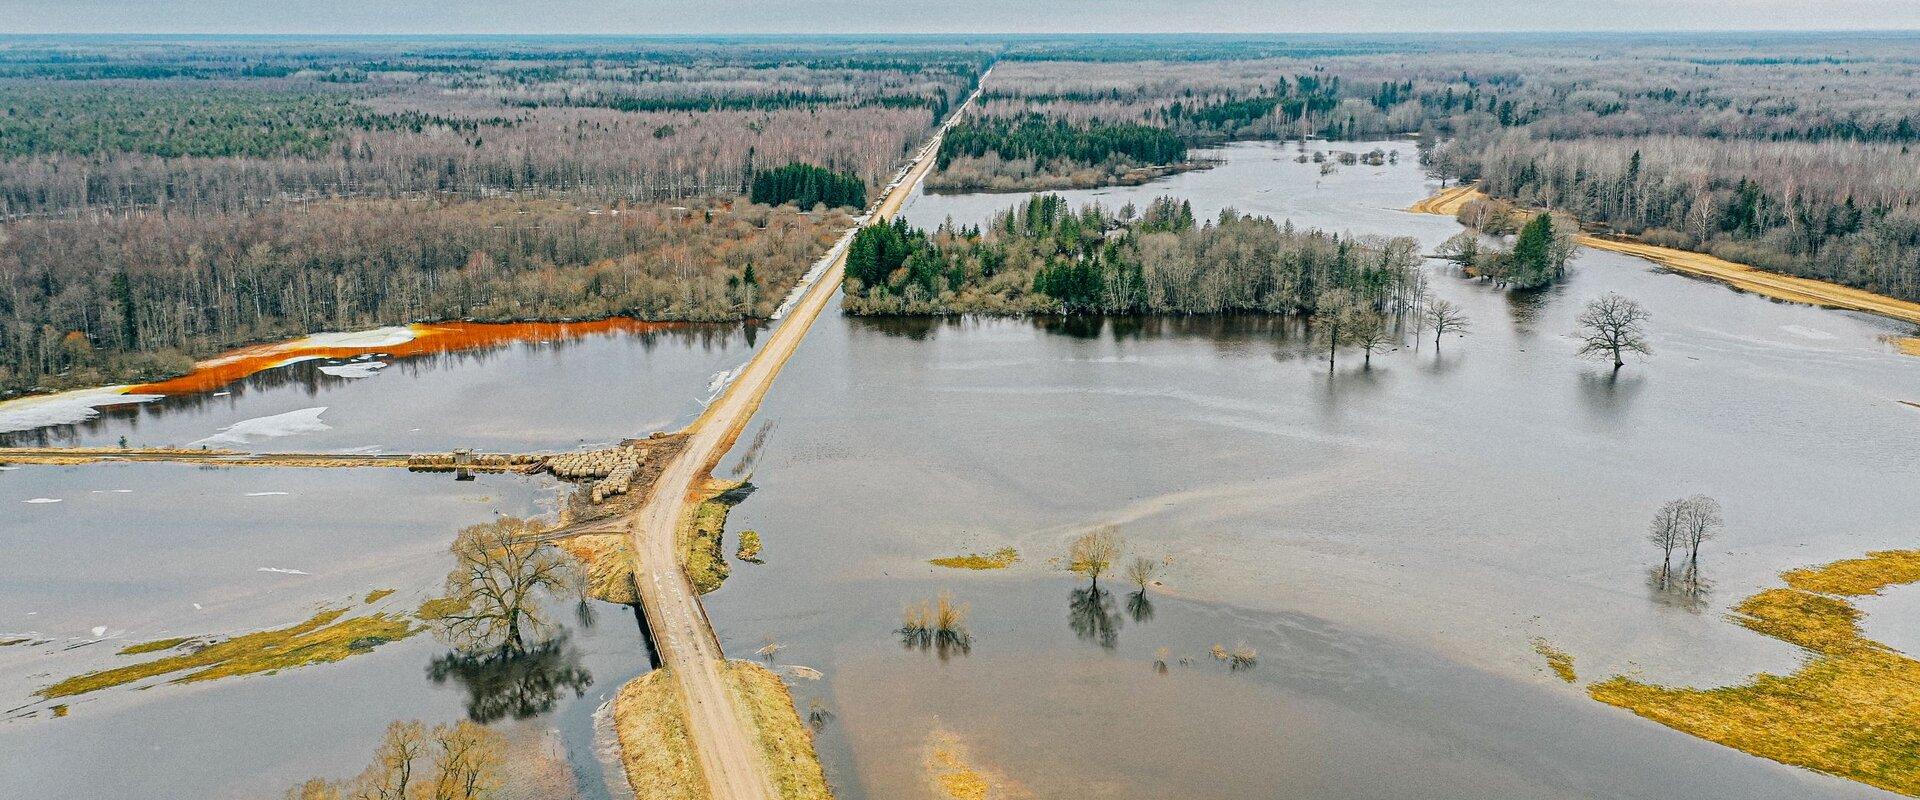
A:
376,595
702,534
655,747
998,559
607,559
154,646
1909,345
951,770
1851,710
1558,660
785,743
324,638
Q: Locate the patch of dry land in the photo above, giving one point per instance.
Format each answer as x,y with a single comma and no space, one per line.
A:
1739,276
998,559
1852,709
651,723
325,638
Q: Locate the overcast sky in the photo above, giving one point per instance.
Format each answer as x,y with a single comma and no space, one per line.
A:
939,16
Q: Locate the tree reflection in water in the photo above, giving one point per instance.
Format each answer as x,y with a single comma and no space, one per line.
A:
517,684
1092,614
1139,606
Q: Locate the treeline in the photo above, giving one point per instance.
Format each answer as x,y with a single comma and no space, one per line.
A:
1037,137
378,119
1839,211
807,185
84,302
1044,257
1029,152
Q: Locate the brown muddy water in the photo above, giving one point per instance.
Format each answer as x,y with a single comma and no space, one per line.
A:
1390,541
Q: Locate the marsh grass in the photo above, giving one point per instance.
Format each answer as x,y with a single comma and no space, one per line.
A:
154,646
1852,709
701,537
1557,660
377,595
1241,656
322,639
940,625
998,559
749,549
785,742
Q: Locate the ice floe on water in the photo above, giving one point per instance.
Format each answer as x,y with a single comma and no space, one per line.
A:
42,500
292,423
111,491
266,494
719,381
64,408
373,337
283,570
364,369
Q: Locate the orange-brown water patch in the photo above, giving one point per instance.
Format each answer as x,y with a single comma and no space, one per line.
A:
410,341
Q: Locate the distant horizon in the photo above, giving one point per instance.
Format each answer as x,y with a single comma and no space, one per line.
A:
926,17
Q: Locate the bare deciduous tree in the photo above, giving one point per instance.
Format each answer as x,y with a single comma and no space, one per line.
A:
465,764
1368,330
494,589
1094,552
1613,325
1702,522
1446,317
1667,532
1141,571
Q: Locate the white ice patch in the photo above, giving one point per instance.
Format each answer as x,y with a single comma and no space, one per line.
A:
266,494
282,570
366,369
112,491
376,337
42,500
292,423
719,381
99,630
1805,332
64,408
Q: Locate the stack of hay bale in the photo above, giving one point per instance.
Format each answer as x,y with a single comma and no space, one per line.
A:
613,469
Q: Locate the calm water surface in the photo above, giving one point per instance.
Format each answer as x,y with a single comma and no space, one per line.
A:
1390,541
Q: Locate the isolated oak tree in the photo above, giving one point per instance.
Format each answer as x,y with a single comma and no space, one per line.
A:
1612,326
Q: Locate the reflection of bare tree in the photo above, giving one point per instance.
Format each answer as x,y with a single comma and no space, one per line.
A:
514,684
1093,617
1677,594
1139,606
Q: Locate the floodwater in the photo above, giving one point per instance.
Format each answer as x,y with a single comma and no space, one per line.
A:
1391,541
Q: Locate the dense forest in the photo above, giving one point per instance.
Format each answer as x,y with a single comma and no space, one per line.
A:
161,200
134,297
1035,152
806,185
1044,257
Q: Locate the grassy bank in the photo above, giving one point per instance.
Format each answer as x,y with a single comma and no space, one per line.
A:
659,757
325,638
1739,276
1851,710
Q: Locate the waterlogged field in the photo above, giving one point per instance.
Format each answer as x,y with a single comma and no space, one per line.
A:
1361,578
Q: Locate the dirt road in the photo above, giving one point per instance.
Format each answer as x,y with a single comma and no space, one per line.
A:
724,736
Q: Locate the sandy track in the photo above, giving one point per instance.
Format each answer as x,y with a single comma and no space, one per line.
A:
724,736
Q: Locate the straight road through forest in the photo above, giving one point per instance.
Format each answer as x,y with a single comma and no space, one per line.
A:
724,737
